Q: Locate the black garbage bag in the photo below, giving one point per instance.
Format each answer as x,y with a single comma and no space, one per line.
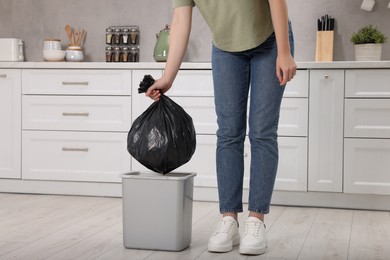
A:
163,137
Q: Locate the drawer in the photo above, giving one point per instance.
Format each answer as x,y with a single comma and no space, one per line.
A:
367,83
292,170
299,85
367,166
200,83
76,82
367,118
93,113
74,156
193,83
293,117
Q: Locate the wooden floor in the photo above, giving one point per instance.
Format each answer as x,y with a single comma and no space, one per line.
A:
70,227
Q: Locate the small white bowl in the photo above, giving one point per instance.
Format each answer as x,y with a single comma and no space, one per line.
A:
54,55
52,45
74,55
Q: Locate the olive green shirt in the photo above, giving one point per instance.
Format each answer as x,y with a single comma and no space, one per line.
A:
236,25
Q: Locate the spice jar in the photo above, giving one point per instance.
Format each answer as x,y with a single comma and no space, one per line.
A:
117,54
125,54
134,33
108,54
109,33
134,54
125,36
117,36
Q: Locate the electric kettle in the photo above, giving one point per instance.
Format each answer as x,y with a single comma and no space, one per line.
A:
162,45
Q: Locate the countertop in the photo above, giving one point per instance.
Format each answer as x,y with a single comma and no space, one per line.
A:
185,65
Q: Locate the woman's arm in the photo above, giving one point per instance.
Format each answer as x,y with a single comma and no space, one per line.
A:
178,41
285,64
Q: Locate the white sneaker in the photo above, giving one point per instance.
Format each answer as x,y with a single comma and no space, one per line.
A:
225,236
254,240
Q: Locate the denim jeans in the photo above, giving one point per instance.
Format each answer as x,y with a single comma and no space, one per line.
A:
237,76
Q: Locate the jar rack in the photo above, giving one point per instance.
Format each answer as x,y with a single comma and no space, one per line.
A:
122,43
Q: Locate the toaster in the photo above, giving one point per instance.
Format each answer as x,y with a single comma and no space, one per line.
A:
11,49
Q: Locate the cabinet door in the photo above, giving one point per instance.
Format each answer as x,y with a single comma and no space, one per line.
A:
367,166
10,118
292,168
326,104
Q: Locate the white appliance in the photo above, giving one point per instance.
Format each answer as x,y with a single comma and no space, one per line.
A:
11,49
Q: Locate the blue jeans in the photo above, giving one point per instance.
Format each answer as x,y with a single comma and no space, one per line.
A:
236,76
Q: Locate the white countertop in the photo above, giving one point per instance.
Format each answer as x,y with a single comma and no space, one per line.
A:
185,65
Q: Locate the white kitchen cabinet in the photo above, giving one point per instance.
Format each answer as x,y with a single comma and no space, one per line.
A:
193,83
367,118
74,156
76,82
367,166
326,107
298,86
367,83
82,113
367,132
294,115
292,168
10,118
78,120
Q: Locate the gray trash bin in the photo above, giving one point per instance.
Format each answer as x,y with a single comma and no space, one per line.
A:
157,210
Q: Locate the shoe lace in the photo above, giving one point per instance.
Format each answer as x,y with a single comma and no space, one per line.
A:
224,227
254,229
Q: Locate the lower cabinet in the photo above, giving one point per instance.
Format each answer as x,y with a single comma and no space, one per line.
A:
326,103
367,166
74,156
10,120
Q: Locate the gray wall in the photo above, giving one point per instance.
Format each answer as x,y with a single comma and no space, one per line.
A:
35,20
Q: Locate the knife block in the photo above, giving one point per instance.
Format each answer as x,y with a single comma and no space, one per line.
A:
324,46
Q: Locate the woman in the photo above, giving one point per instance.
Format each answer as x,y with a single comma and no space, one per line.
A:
251,54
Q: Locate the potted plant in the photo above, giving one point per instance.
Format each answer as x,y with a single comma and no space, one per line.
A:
368,43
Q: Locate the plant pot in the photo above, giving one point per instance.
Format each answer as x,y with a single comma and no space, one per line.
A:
368,52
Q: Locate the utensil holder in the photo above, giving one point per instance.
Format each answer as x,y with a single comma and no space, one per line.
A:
324,46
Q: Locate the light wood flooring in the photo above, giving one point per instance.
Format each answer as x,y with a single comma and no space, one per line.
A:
72,227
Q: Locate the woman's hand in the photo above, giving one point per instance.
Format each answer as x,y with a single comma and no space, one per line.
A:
285,68
159,87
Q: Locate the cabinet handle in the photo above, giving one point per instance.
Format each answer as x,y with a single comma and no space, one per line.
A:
3,76
326,76
69,149
245,154
69,83
75,114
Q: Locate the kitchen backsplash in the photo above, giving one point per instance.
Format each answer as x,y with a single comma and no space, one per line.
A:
34,21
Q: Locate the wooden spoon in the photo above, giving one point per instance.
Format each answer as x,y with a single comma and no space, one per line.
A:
68,31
